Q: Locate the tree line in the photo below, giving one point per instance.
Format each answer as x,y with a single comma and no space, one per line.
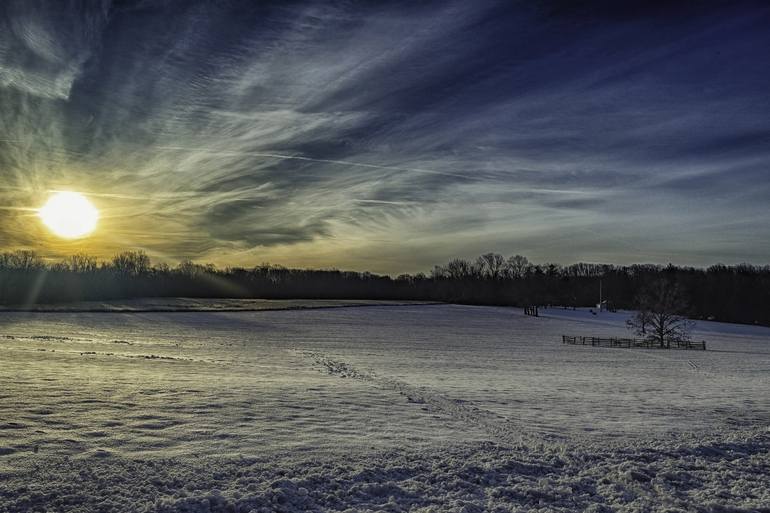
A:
735,293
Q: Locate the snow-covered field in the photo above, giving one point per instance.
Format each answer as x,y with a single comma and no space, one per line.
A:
426,408
184,304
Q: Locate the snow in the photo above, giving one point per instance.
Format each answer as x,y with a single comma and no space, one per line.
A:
394,408
188,304
617,319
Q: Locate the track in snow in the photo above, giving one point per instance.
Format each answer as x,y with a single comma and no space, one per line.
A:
500,428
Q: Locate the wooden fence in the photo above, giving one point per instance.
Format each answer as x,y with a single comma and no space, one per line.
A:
631,343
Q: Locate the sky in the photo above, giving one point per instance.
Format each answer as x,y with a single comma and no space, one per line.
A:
390,137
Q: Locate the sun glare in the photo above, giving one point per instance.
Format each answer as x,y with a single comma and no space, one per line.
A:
69,215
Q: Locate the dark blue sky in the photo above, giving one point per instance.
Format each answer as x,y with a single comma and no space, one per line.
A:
391,137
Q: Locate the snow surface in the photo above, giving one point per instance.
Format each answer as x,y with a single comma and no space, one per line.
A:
189,304
395,408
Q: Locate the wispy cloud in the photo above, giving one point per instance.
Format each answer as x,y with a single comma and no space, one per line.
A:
389,137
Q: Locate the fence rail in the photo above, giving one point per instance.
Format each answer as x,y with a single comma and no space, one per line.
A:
632,343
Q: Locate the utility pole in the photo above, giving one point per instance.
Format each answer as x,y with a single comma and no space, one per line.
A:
600,294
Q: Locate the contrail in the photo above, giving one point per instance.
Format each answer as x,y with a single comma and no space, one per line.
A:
310,159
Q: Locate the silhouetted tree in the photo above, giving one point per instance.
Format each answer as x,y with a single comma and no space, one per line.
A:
132,263
21,260
491,265
191,269
738,293
80,263
660,316
641,319
459,269
518,266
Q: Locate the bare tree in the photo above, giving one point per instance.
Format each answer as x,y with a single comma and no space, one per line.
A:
491,265
132,263
22,260
660,316
189,268
438,272
640,322
518,266
80,263
459,269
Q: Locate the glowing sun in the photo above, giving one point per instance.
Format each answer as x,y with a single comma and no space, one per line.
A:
69,215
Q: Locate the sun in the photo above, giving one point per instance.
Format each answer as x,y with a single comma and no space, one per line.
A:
69,215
